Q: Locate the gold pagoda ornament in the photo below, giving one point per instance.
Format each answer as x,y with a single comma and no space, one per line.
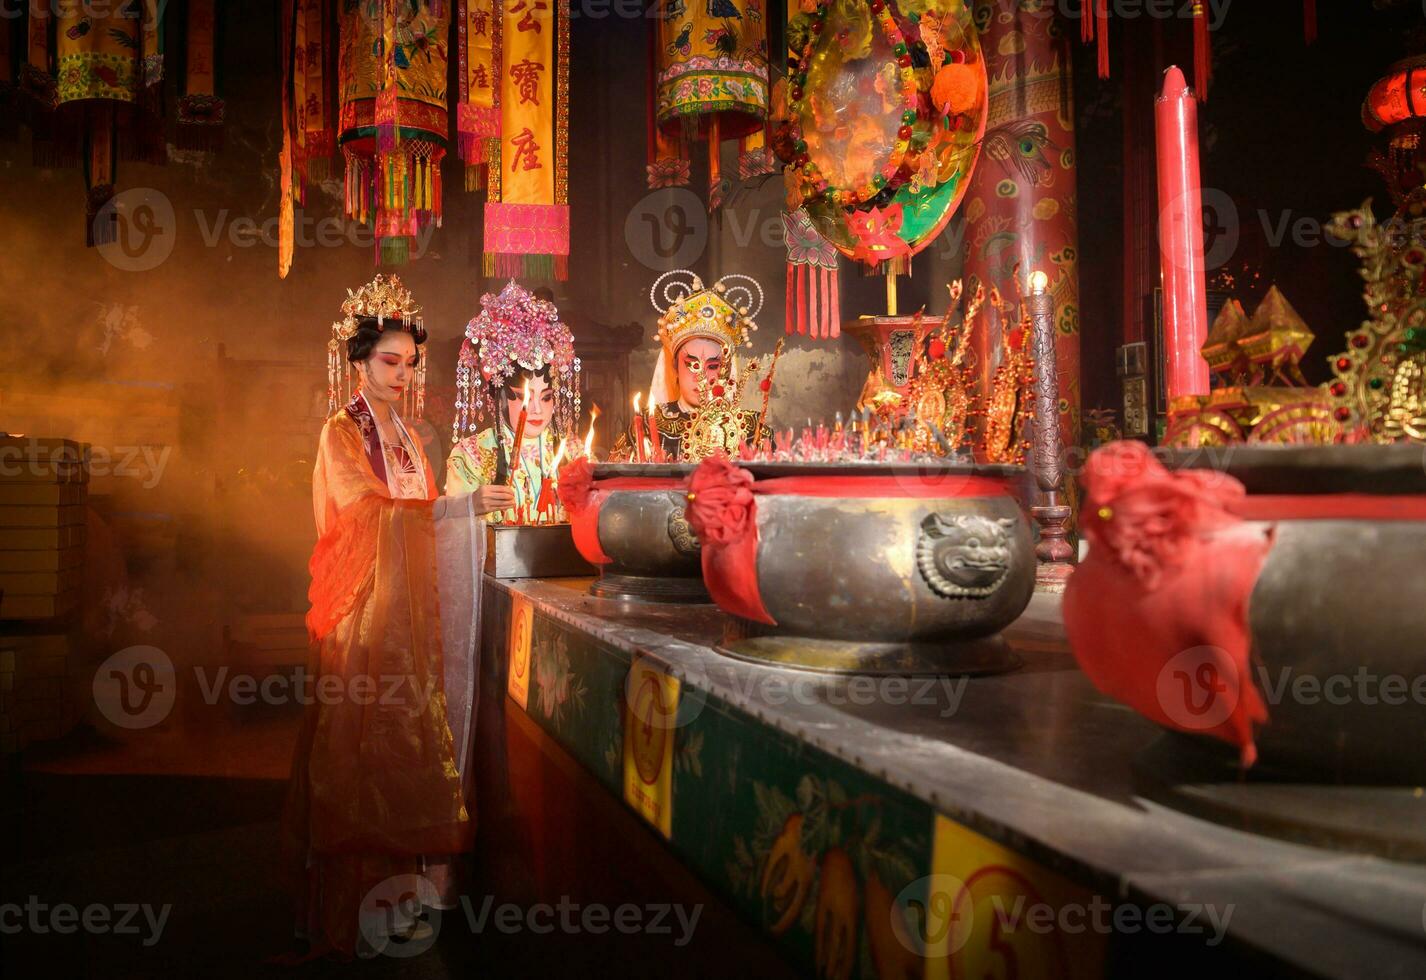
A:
1264,398
1221,349
1275,341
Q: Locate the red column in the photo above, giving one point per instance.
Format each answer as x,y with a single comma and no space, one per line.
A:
1021,208
1181,238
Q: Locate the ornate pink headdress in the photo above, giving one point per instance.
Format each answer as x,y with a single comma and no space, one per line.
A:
514,329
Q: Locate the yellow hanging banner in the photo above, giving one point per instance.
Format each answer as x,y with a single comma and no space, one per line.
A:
527,214
478,109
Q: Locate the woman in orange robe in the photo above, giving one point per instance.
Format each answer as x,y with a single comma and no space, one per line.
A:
375,798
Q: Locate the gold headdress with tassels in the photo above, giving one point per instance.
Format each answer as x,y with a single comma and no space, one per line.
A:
687,309
384,298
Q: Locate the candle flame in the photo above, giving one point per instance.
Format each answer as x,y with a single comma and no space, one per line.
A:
525,403
594,414
638,397
1038,281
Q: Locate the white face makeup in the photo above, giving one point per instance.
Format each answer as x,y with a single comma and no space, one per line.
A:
542,404
697,359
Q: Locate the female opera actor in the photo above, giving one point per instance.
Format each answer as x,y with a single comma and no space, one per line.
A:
378,801
516,347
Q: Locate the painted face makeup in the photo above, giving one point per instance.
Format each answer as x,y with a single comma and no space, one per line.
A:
391,367
697,359
542,404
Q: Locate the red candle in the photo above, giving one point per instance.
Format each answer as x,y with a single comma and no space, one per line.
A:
520,430
1181,238
640,452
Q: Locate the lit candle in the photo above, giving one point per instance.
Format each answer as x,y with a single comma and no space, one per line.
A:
520,429
548,503
589,439
640,453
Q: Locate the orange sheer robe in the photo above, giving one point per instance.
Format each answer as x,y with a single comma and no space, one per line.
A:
374,785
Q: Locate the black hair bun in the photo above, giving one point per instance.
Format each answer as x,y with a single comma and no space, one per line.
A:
369,332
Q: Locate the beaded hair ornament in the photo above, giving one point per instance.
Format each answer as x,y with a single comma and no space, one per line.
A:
384,299
514,329
687,309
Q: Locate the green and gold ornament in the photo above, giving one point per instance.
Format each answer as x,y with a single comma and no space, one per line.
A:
885,110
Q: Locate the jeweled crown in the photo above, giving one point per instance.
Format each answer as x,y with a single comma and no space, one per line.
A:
723,313
383,298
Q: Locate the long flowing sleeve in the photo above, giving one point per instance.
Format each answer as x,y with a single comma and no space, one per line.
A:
374,777
471,464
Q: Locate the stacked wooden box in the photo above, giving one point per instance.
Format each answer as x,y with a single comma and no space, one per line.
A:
135,480
43,492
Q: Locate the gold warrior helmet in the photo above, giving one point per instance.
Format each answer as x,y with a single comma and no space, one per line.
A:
687,309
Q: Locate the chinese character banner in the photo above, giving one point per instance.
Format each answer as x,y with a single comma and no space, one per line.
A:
527,210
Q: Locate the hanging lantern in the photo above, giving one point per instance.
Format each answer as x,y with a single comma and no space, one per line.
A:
710,75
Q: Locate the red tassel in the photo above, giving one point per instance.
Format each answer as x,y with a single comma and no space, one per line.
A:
789,315
1309,20
1101,15
801,303
1202,56
1086,20
829,277
813,287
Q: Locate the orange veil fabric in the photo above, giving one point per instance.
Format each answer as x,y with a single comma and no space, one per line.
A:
374,782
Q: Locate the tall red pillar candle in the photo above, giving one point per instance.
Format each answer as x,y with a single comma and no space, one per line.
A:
1181,238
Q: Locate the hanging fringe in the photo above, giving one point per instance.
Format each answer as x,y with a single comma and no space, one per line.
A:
200,123
1202,56
100,220
395,251
1086,21
900,265
1309,21
813,304
500,265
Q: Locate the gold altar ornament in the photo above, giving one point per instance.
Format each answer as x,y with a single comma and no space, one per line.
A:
1378,391
1275,341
